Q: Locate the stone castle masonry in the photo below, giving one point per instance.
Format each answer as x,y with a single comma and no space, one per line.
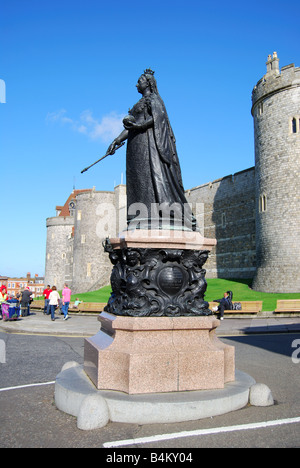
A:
276,114
254,214
229,217
74,252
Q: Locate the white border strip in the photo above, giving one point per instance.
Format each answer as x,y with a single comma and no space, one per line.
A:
26,386
201,432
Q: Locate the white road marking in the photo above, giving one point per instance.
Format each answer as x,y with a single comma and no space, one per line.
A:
201,432
26,386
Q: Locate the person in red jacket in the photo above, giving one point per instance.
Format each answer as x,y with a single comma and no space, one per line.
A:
46,295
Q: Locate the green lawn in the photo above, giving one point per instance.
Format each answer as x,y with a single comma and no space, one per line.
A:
101,295
242,292
215,289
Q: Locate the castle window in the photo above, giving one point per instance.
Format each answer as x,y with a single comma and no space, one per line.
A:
262,203
72,207
223,220
260,108
295,125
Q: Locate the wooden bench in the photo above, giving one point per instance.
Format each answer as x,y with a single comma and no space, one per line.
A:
248,307
96,307
287,306
83,307
38,304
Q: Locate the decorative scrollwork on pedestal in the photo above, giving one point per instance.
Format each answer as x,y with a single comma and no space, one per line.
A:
149,282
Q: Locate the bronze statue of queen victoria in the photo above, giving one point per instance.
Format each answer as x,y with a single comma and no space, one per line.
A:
153,174
155,281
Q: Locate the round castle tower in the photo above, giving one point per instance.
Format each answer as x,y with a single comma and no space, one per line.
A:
58,230
74,250
94,221
276,114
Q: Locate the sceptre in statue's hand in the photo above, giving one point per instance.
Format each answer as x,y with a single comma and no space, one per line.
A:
108,153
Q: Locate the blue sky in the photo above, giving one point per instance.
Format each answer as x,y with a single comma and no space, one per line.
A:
70,69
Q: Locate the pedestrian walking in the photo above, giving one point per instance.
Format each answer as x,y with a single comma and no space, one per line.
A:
54,298
66,297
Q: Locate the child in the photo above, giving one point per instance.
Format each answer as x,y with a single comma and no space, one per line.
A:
77,302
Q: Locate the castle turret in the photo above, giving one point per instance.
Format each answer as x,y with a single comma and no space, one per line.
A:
94,221
98,215
273,65
59,229
59,248
276,114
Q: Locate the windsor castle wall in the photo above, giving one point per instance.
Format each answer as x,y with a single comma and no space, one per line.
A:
224,209
228,215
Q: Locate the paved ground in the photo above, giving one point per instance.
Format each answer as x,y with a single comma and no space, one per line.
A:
36,349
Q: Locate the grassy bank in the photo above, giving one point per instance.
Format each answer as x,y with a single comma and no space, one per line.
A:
242,292
101,295
215,289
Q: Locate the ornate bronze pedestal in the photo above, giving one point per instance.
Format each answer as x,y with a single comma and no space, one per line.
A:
158,273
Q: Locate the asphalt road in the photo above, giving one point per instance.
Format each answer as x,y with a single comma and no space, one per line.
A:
29,418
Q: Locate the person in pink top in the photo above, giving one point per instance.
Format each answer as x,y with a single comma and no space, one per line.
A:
66,297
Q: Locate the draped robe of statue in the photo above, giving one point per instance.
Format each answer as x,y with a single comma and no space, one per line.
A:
153,174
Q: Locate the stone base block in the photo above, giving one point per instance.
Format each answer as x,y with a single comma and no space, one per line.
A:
159,354
75,394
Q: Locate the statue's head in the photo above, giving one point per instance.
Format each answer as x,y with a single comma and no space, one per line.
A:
149,75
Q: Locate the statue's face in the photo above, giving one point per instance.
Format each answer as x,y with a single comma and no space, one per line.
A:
142,84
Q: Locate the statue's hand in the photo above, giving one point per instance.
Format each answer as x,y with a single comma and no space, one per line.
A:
111,148
129,122
130,125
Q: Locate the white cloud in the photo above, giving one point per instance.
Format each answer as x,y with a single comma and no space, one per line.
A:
105,129
57,116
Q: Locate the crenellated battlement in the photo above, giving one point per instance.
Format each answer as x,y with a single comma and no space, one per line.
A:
275,80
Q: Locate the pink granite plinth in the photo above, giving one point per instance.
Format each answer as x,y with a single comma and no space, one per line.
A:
164,238
159,354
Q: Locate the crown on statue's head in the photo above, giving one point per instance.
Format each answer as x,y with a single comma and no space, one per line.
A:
148,71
